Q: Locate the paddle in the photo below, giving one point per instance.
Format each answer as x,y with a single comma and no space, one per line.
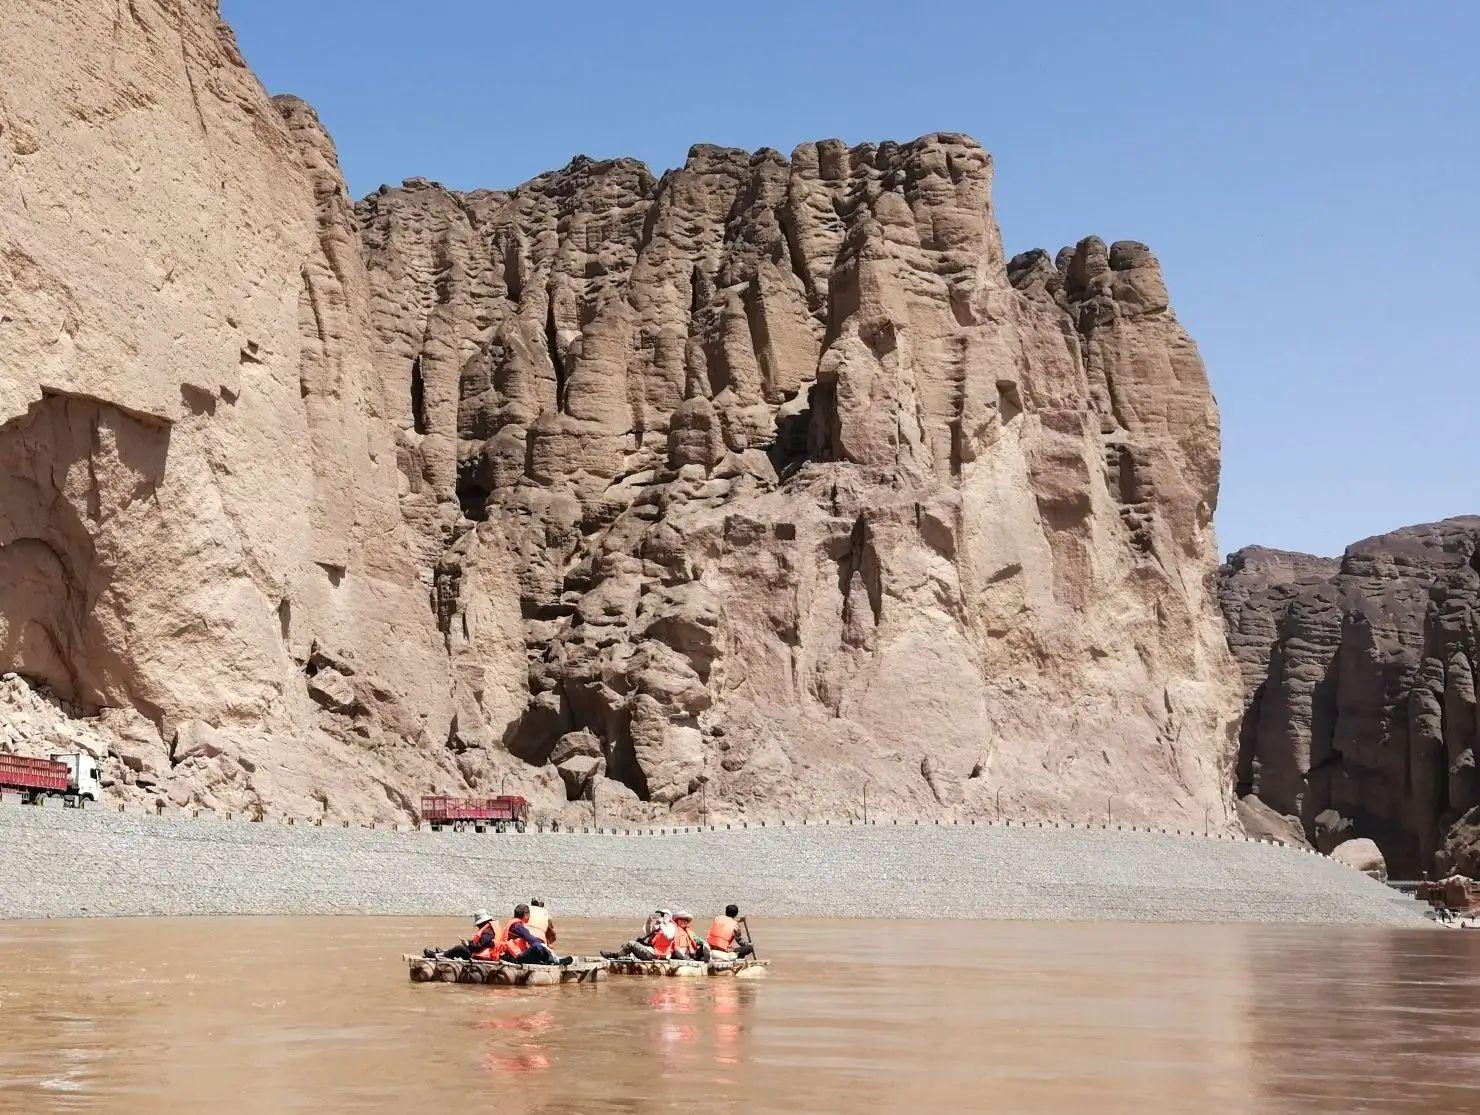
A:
745,927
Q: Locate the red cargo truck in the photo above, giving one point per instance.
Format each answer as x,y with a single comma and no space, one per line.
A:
69,778
479,814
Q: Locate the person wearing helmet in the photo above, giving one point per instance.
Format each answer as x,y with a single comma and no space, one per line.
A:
484,944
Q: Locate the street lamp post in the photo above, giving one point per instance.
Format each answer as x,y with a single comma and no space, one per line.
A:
865,801
1206,813
1108,814
999,803
503,785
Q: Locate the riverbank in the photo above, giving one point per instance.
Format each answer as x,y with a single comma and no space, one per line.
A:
75,863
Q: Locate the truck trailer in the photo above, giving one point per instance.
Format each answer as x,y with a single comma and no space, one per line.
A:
441,811
71,779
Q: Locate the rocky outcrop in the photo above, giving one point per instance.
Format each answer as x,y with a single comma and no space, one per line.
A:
809,488
754,486
1359,689
199,521
1259,820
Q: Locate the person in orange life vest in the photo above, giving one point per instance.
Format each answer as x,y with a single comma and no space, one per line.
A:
518,944
724,936
483,946
539,921
642,947
684,945
662,939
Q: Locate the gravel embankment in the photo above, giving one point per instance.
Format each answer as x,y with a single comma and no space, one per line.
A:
65,863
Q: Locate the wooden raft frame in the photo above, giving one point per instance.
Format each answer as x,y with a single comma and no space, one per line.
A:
692,969
584,969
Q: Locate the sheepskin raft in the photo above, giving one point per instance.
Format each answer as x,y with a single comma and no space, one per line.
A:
584,969
693,969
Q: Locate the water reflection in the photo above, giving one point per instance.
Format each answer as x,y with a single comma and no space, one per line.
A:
1374,1007
526,1059
540,1022
727,1026
304,1016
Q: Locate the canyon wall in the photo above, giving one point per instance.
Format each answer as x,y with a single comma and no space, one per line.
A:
751,488
1359,682
200,540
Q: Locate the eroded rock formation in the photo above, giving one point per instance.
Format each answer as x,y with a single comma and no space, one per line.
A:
742,488
198,521
1359,680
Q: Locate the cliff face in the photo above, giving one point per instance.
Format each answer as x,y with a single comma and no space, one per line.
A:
808,486
742,488
199,528
1359,690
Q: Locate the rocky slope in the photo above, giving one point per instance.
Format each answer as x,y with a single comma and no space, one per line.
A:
1359,681
742,488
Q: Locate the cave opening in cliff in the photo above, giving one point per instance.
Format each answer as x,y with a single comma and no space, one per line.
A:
1009,400
472,490
788,452
557,361
622,765
513,279
418,398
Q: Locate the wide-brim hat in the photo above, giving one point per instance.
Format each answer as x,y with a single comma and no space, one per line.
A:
480,917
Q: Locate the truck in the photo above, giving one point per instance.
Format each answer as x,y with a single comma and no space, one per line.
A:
502,813
71,779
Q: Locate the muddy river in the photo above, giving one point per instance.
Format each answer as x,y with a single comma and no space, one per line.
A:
317,1015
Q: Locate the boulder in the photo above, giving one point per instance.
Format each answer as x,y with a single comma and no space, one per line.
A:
576,745
577,772
333,691
1364,855
1258,819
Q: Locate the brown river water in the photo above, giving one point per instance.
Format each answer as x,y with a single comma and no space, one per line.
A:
229,1015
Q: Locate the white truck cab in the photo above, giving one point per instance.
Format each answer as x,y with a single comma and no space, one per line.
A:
84,775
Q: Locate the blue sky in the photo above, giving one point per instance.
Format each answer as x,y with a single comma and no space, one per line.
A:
1306,172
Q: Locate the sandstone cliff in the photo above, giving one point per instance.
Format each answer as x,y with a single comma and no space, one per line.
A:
1359,681
199,527
752,487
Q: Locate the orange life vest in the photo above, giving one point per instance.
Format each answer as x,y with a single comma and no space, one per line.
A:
662,943
485,943
511,948
684,942
722,933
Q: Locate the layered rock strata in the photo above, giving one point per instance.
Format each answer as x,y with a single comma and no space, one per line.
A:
1359,679
763,485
